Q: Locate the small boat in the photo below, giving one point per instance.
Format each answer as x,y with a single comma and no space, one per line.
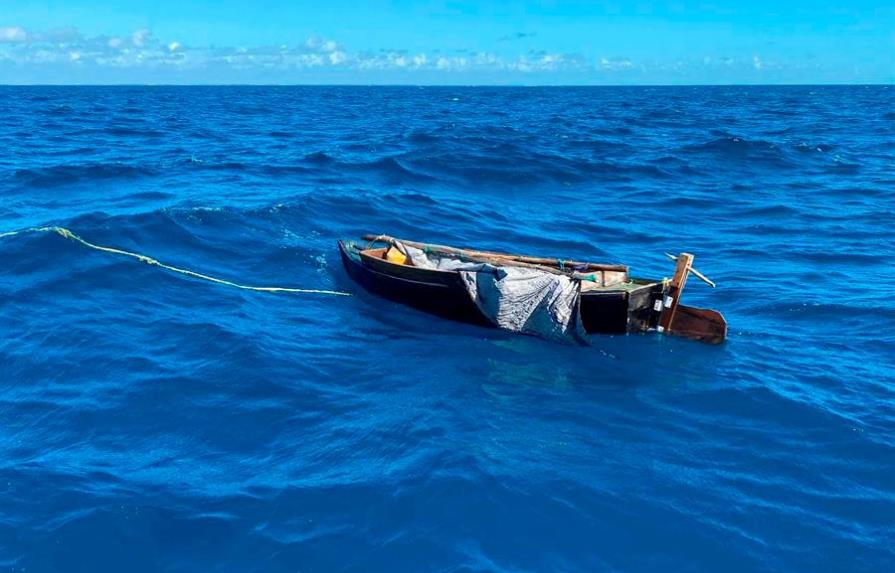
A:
610,302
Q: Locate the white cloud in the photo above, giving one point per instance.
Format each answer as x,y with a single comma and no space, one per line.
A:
487,59
312,60
13,34
318,44
615,64
140,37
142,50
453,63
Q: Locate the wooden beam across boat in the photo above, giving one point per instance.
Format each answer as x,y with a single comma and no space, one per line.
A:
470,253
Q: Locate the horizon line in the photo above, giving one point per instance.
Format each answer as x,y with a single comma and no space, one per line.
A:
459,85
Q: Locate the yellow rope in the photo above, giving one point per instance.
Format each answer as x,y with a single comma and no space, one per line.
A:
62,231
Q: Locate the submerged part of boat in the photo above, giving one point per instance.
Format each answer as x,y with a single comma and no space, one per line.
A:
607,300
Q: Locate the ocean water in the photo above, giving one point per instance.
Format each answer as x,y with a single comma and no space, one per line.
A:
152,422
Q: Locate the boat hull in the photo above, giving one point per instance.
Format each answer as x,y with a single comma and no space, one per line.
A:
442,293
443,296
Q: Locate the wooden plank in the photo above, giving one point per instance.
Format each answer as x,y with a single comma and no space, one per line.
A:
541,261
701,324
698,274
607,278
684,262
376,254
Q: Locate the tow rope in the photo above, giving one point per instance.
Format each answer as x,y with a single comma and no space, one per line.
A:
67,234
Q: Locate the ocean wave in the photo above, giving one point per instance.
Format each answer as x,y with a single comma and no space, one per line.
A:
59,175
390,168
734,145
59,110
319,158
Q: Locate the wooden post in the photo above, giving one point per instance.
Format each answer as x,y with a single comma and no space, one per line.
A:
684,262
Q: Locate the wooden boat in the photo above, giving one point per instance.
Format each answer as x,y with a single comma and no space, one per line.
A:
611,301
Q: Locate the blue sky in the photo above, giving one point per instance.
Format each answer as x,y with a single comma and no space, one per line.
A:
446,42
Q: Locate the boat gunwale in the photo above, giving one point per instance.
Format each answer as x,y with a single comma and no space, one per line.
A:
364,255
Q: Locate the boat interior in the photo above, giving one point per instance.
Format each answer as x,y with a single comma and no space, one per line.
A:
594,277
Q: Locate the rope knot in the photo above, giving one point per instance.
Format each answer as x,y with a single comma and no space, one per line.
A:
64,232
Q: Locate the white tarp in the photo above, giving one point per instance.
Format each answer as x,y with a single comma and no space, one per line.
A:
527,300
518,299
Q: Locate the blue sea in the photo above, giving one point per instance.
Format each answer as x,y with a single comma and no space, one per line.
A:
154,422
